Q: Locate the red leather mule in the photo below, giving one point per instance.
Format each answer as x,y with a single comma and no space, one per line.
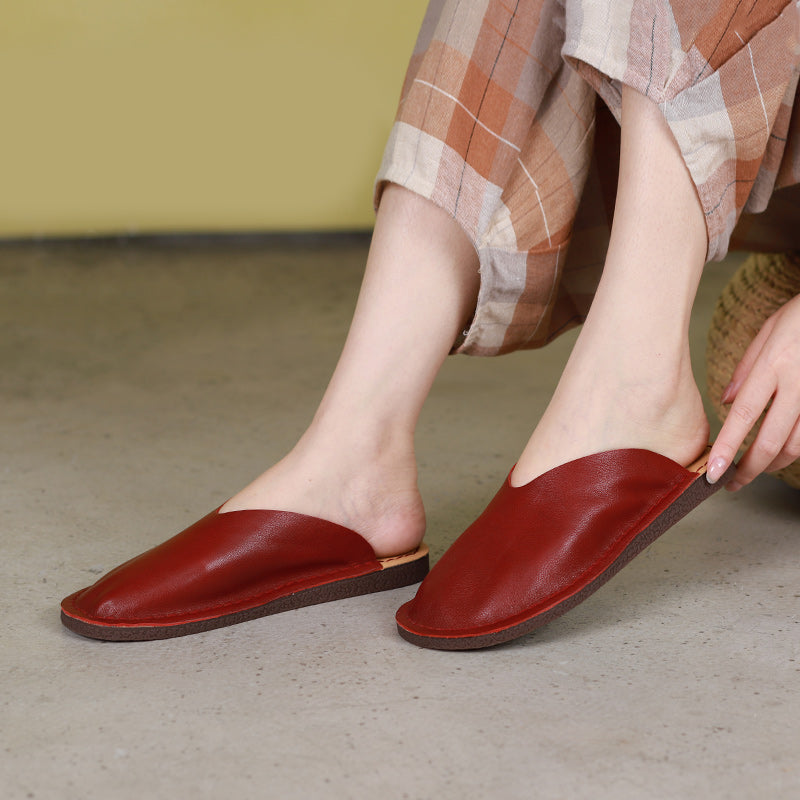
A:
540,549
232,567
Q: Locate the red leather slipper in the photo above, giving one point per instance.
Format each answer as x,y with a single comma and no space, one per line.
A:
233,567
540,549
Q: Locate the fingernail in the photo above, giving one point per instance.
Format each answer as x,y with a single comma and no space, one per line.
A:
716,468
727,395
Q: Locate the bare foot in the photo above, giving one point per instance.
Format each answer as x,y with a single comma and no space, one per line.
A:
372,493
603,404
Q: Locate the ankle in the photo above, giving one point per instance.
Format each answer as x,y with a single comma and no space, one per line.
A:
363,479
662,396
354,442
647,405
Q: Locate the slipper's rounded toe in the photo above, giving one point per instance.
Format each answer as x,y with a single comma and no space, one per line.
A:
139,592
157,589
463,601
96,604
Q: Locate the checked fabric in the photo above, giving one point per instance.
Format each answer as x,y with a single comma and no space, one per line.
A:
508,120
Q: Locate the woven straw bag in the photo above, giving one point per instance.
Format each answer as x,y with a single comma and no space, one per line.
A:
761,285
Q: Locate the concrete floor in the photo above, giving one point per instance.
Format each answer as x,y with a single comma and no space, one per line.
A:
144,383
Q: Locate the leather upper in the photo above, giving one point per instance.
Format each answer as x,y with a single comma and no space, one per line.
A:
221,564
537,544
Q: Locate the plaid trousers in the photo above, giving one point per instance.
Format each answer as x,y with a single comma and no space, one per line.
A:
508,121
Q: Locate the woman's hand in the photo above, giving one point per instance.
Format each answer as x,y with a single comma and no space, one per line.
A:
768,371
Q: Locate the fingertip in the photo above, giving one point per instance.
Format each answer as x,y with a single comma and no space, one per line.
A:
727,395
716,468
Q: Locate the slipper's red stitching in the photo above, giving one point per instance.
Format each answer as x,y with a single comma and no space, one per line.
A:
283,590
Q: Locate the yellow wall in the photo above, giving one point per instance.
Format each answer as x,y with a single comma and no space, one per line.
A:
212,115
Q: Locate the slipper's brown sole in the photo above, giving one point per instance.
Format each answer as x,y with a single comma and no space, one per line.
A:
397,571
697,491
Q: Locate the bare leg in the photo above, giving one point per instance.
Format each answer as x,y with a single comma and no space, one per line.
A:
628,381
355,464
